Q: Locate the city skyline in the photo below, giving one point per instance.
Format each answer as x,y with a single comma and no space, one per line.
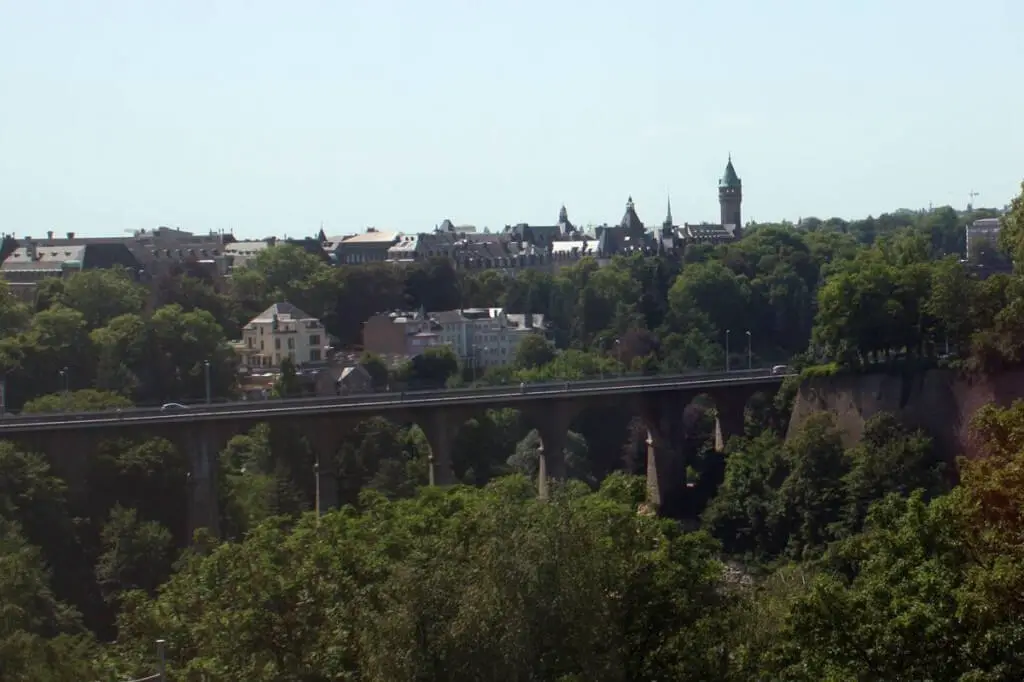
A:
397,115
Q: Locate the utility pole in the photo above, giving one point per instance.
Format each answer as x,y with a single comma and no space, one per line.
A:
970,205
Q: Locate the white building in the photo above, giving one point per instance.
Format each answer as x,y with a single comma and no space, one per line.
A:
283,331
486,337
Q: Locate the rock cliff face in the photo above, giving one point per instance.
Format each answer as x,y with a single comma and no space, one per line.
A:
941,402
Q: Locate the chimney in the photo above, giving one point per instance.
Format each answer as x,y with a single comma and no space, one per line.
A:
49,234
71,235
30,250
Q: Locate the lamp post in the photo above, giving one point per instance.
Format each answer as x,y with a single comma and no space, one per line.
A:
206,371
66,384
162,659
316,482
727,333
750,354
618,354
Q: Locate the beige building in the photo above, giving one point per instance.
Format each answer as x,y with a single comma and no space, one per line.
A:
283,331
486,337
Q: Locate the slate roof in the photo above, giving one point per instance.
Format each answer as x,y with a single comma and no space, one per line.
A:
282,310
729,178
630,220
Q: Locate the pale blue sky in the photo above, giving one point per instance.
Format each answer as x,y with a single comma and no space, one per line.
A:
270,117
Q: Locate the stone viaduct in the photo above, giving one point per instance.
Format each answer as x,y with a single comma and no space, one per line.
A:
203,431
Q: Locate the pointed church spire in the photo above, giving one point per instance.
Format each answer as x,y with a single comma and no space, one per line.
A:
668,213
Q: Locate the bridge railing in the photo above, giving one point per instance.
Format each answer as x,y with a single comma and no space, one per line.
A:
390,397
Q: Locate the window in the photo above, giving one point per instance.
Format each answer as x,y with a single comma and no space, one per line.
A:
314,355
249,341
277,344
314,339
261,344
291,342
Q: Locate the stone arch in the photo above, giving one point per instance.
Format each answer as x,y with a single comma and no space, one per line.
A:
441,427
607,422
760,407
707,405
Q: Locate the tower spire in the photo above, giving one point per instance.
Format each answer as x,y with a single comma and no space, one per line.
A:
668,212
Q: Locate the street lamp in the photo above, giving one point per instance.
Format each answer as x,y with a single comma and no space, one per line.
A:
316,479
750,355
727,332
65,381
206,371
618,354
161,657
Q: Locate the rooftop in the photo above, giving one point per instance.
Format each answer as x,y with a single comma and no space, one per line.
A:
283,312
372,238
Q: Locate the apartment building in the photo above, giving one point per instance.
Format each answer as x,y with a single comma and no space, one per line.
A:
283,331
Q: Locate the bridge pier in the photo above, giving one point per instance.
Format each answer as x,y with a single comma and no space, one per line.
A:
552,421
666,460
325,437
440,426
202,443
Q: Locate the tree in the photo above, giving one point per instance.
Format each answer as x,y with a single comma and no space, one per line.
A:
710,291
136,555
41,638
377,369
889,459
534,352
84,400
432,368
742,515
57,352
122,348
413,588
179,346
14,315
1011,233
526,459
287,384
102,295
952,292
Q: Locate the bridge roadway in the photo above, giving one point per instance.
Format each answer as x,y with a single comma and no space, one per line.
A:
378,403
